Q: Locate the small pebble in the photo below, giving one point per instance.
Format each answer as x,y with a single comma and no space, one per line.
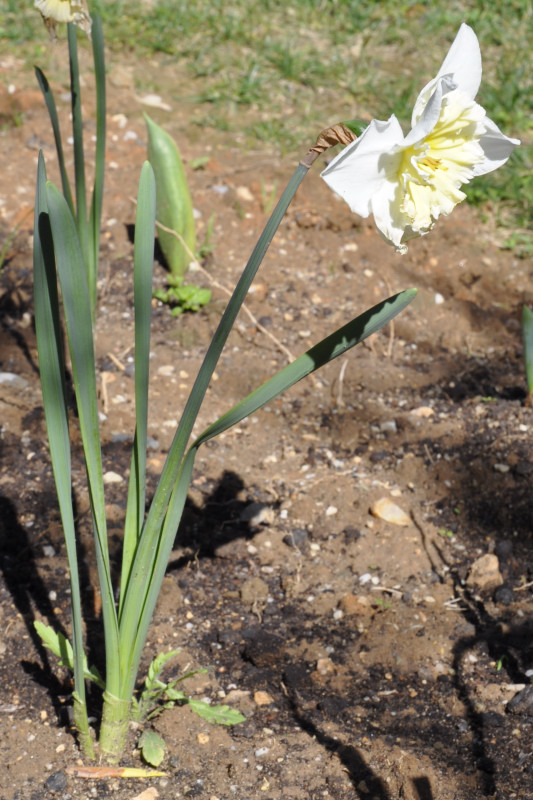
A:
112,477
389,426
262,698
15,381
256,514
261,751
387,510
244,194
503,595
485,573
57,782
296,538
503,549
522,703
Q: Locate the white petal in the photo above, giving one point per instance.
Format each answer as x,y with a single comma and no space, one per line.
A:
431,113
462,66
496,148
387,215
358,172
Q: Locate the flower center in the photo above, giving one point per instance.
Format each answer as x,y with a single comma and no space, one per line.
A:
431,171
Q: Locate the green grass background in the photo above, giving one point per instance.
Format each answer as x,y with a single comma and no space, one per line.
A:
278,71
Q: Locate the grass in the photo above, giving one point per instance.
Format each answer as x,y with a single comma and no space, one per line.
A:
278,72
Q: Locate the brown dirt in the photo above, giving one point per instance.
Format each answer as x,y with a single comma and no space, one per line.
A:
365,661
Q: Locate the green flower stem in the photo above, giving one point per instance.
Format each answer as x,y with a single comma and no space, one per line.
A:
99,159
156,541
79,158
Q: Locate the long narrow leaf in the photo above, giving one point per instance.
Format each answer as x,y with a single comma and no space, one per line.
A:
328,349
527,337
143,261
153,531
74,290
140,616
52,112
52,369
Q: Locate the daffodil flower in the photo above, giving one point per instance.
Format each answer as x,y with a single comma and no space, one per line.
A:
407,182
54,11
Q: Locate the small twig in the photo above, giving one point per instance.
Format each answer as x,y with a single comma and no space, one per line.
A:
451,604
105,378
428,455
340,401
223,289
116,362
386,589
218,285
524,586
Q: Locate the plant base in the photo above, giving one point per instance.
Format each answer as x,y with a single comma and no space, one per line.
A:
114,729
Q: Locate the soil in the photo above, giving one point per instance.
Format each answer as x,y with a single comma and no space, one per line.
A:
371,659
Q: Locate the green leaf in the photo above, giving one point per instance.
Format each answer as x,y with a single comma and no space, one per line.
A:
156,667
216,715
61,647
159,530
174,204
78,324
175,695
328,349
143,263
52,111
187,297
527,337
50,346
152,747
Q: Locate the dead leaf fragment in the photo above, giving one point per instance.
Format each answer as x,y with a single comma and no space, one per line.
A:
387,510
96,773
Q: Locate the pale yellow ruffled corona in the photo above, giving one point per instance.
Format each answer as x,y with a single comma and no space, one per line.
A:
55,11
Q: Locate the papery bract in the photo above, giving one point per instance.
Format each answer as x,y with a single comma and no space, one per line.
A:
54,11
407,182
